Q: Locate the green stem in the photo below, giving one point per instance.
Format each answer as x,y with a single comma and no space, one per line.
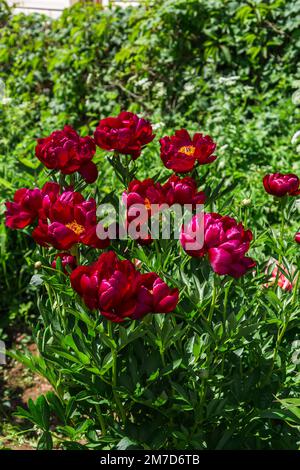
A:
282,225
49,292
99,413
225,305
101,420
209,320
246,217
62,181
295,288
280,335
114,374
114,354
162,355
213,302
122,170
282,203
72,180
157,249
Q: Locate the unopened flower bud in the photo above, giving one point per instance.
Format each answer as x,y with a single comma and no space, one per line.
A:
246,202
38,265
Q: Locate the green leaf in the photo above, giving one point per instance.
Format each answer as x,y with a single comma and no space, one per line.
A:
125,443
45,441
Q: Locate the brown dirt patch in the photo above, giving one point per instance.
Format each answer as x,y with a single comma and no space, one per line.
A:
22,381
17,386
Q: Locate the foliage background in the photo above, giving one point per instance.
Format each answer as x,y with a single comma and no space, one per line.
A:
229,68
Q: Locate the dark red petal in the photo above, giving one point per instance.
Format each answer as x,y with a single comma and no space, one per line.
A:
89,172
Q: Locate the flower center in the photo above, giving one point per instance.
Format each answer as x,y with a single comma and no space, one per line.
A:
147,203
75,227
188,150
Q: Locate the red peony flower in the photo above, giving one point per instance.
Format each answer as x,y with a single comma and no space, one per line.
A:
119,291
28,204
126,134
66,260
66,151
69,220
224,241
144,199
280,185
297,237
155,296
145,193
180,152
182,191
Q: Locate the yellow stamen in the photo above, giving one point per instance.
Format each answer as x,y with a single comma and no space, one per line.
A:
147,203
188,150
75,227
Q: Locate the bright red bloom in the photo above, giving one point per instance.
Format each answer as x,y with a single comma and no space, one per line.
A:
180,152
182,191
145,193
66,151
70,220
280,185
175,191
297,237
155,296
24,209
126,134
224,241
66,260
28,205
144,199
119,291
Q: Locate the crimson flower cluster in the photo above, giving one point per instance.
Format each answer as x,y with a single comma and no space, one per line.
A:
69,220
62,219
30,204
66,151
155,196
119,291
175,191
224,241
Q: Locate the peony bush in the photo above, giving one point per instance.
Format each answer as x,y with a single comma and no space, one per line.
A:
158,343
